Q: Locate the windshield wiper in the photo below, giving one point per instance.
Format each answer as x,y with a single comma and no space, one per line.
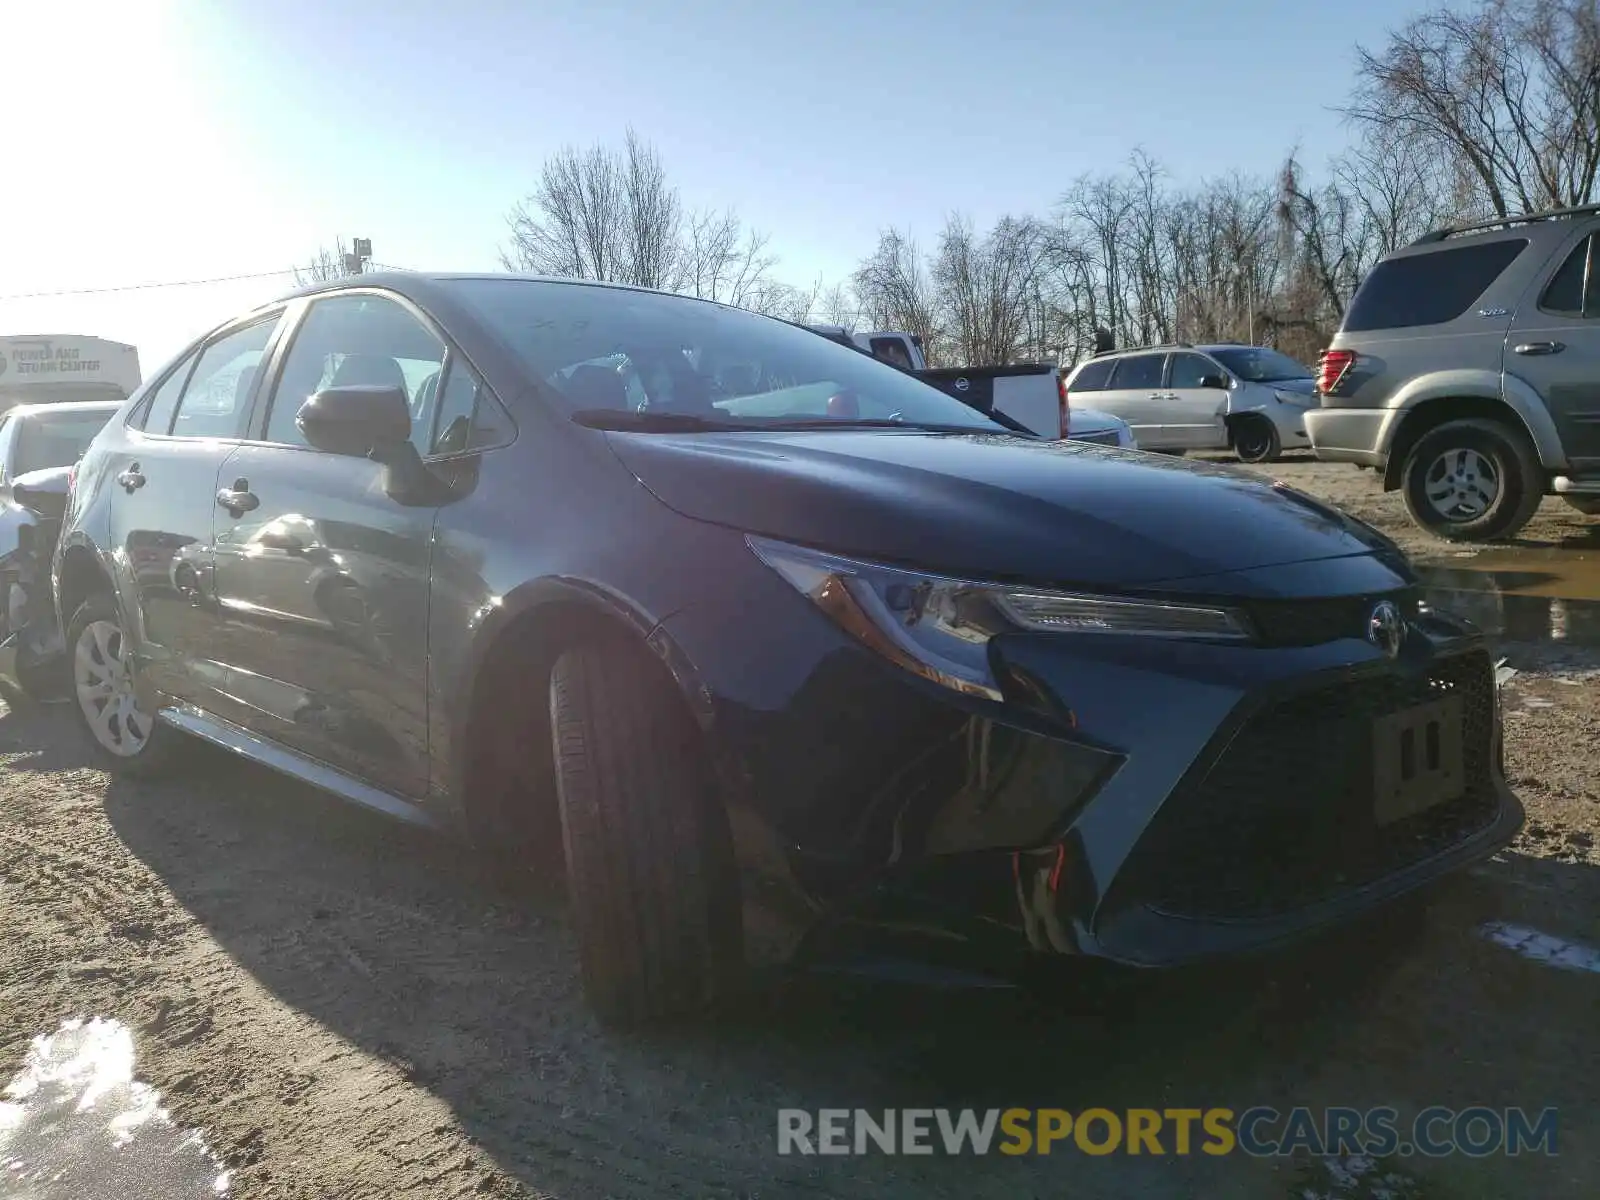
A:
877,423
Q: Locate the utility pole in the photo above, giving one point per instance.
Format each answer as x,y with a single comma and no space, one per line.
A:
360,254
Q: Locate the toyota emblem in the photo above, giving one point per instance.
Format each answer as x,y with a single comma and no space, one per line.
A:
1386,628
962,384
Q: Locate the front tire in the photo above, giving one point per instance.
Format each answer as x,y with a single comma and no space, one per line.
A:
1256,440
1473,480
649,859
124,738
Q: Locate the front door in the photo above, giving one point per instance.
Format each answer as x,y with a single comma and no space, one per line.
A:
1191,413
322,577
1554,346
164,465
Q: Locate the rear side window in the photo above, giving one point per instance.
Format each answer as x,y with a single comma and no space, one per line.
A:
1428,289
1573,290
1140,371
216,401
1093,376
163,402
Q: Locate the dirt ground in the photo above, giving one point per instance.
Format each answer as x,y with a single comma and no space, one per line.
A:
350,1009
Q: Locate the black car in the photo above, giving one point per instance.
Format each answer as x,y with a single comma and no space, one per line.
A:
791,653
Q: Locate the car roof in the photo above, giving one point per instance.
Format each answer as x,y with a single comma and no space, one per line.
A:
424,281
65,406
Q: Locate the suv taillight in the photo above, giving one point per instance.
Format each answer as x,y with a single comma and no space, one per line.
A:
1332,367
1066,404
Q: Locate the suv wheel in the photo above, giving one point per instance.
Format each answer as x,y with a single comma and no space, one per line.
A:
1473,481
649,860
1255,440
126,739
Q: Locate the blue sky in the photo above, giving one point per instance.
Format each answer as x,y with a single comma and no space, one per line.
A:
174,139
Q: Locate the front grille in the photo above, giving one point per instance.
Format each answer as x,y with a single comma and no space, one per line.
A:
1312,622
1284,816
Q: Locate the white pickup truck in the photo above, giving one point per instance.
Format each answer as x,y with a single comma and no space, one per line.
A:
1028,393
50,368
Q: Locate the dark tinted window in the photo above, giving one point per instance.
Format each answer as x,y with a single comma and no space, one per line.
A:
1189,369
1093,376
1566,288
216,400
1430,288
1139,371
55,439
158,408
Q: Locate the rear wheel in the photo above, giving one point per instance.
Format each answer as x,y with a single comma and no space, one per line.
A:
649,859
123,733
1255,440
1473,481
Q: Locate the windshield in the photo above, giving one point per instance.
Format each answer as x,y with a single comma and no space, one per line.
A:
56,440
1255,364
610,349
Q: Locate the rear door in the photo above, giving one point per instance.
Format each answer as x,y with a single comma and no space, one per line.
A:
1192,413
164,491
1554,345
1136,394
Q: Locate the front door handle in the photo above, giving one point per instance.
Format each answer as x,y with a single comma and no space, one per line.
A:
1539,348
238,499
132,479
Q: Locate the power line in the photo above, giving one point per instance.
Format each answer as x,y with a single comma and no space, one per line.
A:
138,287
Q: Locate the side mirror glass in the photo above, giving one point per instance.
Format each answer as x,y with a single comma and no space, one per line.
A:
1214,381
356,420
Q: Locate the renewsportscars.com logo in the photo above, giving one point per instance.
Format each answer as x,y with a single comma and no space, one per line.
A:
1259,1132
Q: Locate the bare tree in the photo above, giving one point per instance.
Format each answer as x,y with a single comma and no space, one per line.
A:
600,214
1508,93
986,287
325,266
894,291
722,260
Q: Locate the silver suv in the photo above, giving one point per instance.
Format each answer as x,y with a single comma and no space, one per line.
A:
1468,371
1248,399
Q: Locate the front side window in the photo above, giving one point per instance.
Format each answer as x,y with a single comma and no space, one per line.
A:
349,340
216,399
614,350
1189,369
468,417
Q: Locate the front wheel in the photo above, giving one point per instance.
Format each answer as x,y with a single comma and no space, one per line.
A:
125,737
649,859
1473,480
1255,440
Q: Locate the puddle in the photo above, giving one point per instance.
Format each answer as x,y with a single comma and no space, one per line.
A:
76,1125
1526,595
1543,947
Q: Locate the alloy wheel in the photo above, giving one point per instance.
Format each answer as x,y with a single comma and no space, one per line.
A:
103,682
1461,485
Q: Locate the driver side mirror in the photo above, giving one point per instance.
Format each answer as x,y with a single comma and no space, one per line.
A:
356,420
1214,381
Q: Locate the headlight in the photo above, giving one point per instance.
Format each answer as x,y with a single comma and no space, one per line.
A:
939,628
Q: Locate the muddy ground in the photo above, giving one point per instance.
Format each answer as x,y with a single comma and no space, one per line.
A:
349,1009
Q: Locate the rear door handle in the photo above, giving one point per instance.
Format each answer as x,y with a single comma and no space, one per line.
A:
131,479
1539,348
238,499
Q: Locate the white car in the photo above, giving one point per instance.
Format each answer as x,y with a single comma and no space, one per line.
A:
1248,399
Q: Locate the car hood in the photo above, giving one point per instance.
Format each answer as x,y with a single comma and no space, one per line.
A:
1303,387
993,506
